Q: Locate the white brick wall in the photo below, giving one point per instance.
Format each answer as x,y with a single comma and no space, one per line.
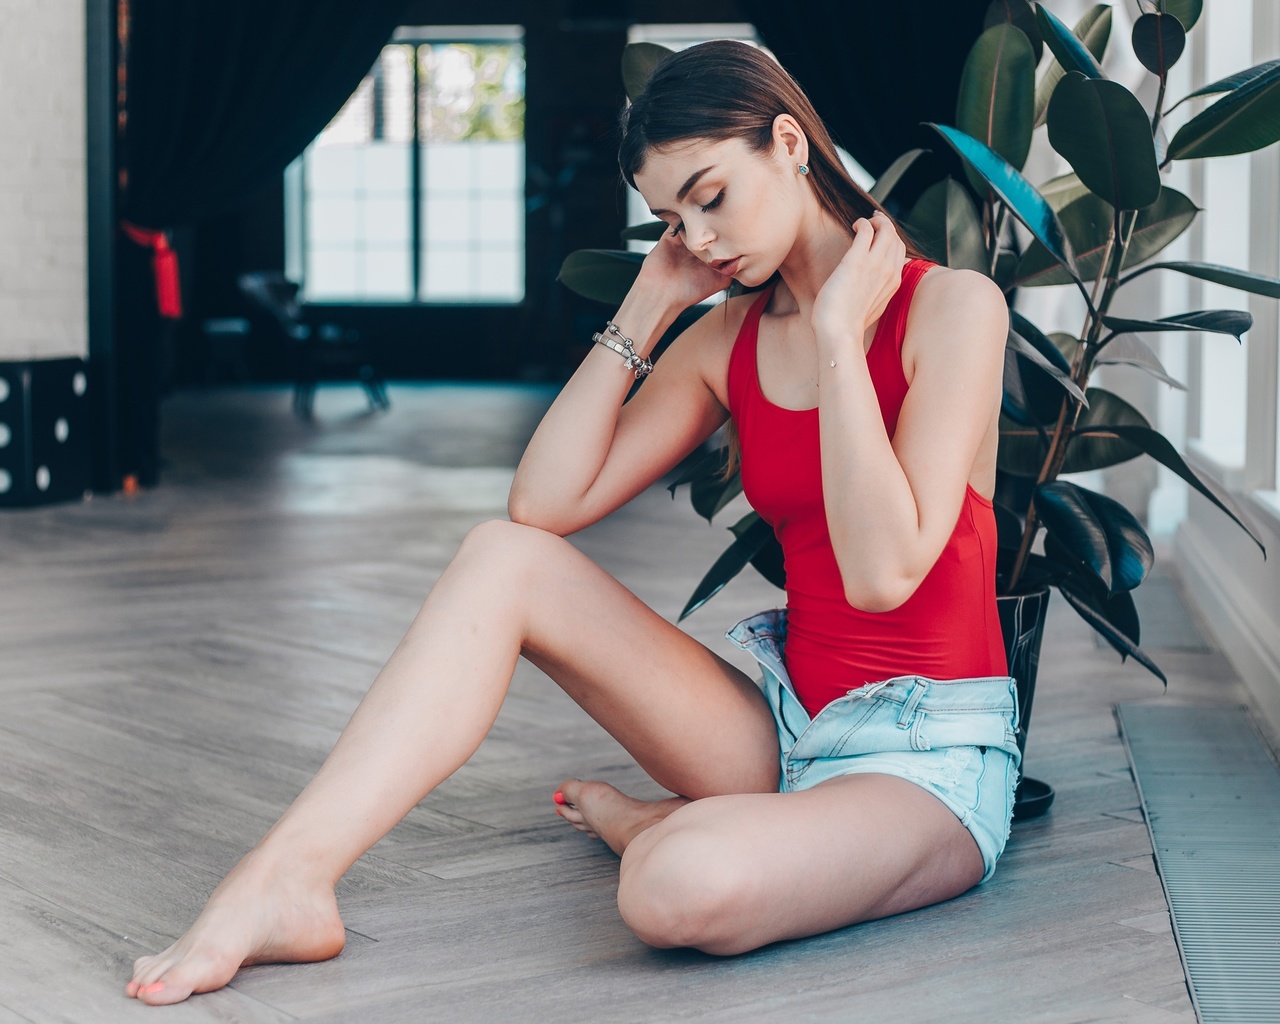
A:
43,312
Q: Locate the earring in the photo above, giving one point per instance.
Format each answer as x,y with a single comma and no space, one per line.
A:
802,168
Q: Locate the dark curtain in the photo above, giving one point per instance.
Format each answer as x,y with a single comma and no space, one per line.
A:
219,98
222,96
874,70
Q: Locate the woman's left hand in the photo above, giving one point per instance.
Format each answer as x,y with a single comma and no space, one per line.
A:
863,282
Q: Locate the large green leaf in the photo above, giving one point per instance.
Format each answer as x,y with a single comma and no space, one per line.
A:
1097,530
893,174
1020,14
1131,350
604,275
1216,321
996,103
649,231
1018,194
1023,449
1087,222
1245,280
1102,130
1060,191
1244,120
638,62
945,222
751,532
1035,375
1186,11
706,467
1157,446
1116,620
1067,48
769,562
1229,83
1094,29
1158,42
710,494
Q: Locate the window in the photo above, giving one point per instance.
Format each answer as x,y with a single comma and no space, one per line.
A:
415,190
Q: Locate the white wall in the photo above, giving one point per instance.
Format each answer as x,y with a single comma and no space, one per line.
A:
1238,592
43,312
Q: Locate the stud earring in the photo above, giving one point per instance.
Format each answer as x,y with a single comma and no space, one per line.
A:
802,168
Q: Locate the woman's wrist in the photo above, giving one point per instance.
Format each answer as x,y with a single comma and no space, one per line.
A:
643,318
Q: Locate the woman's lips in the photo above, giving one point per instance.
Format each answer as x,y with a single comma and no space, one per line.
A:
727,267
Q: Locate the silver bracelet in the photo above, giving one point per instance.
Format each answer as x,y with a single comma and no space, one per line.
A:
626,348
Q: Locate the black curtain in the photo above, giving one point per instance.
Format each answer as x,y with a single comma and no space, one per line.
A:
222,96
218,99
874,70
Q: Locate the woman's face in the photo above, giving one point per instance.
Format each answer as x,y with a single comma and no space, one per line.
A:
736,209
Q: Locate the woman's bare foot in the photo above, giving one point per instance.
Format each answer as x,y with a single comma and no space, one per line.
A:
603,812
256,915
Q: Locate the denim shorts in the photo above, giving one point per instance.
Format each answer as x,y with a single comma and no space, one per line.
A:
954,738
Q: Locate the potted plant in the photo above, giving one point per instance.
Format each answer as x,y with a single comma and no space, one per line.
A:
1096,229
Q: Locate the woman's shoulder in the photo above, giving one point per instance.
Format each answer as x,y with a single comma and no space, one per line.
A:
948,290
951,301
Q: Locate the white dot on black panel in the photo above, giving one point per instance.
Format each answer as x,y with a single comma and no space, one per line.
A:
61,429
6,435
79,383
4,389
43,478
6,481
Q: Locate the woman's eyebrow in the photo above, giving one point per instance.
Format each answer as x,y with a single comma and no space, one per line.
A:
687,186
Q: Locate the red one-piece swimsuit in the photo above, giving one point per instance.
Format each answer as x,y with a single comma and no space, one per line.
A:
948,628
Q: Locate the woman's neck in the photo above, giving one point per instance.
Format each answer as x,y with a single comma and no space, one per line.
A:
820,244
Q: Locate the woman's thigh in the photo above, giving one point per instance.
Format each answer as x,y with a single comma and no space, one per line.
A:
733,873
695,723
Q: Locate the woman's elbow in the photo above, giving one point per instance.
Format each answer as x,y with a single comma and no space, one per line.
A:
878,595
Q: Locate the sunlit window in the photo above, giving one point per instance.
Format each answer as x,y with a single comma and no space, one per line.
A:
415,190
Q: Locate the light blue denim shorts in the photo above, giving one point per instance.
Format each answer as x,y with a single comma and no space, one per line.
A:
954,738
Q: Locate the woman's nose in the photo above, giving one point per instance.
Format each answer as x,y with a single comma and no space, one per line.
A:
698,236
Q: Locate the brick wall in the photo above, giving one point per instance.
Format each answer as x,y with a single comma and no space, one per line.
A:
42,181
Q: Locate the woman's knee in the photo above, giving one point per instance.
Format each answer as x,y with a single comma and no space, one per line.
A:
681,887
509,547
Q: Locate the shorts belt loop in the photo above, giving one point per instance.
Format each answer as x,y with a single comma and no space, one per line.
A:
908,713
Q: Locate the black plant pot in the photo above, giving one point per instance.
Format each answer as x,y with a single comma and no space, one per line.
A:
1022,623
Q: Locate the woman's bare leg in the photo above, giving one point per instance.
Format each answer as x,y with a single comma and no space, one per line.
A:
733,873
510,589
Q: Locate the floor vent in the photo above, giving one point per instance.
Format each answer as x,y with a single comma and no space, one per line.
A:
1211,795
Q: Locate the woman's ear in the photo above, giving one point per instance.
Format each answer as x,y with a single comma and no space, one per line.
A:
789,140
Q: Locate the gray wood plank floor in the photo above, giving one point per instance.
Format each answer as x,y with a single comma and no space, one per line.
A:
174,667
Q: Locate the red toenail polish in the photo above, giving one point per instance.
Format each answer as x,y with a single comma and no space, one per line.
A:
156,987
558,797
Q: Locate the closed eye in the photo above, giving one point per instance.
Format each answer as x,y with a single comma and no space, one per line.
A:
705,209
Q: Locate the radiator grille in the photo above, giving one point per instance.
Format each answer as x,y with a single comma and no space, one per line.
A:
1211,796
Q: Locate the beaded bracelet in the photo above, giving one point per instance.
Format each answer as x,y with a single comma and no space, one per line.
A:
626,348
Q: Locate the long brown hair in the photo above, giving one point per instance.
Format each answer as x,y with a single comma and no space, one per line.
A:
730,90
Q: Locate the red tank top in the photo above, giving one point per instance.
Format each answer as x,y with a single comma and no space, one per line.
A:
948,628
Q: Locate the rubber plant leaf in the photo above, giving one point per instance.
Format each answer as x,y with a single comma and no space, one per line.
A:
1087,221
1158,42
710,494
603,275
649,231
751,533
1158,447
1131,350
1097,530
946,223
638,62
1020,14
1186,11
1070,52
1103,132
1216,321
1244,280
1244,120
1018,194
1114,620
1094,30
1086,452
996,102
710,465
893,174
1229,83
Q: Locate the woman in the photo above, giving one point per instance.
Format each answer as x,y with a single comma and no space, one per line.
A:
871,770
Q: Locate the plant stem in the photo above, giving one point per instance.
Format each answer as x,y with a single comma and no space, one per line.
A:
995,241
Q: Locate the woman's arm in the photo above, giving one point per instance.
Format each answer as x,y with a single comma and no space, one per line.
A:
591,454
891,507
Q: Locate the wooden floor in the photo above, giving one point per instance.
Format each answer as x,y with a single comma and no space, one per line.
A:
173,667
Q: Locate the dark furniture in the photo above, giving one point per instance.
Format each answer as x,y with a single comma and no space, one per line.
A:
320,350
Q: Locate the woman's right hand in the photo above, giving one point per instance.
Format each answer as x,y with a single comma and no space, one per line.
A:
677,276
